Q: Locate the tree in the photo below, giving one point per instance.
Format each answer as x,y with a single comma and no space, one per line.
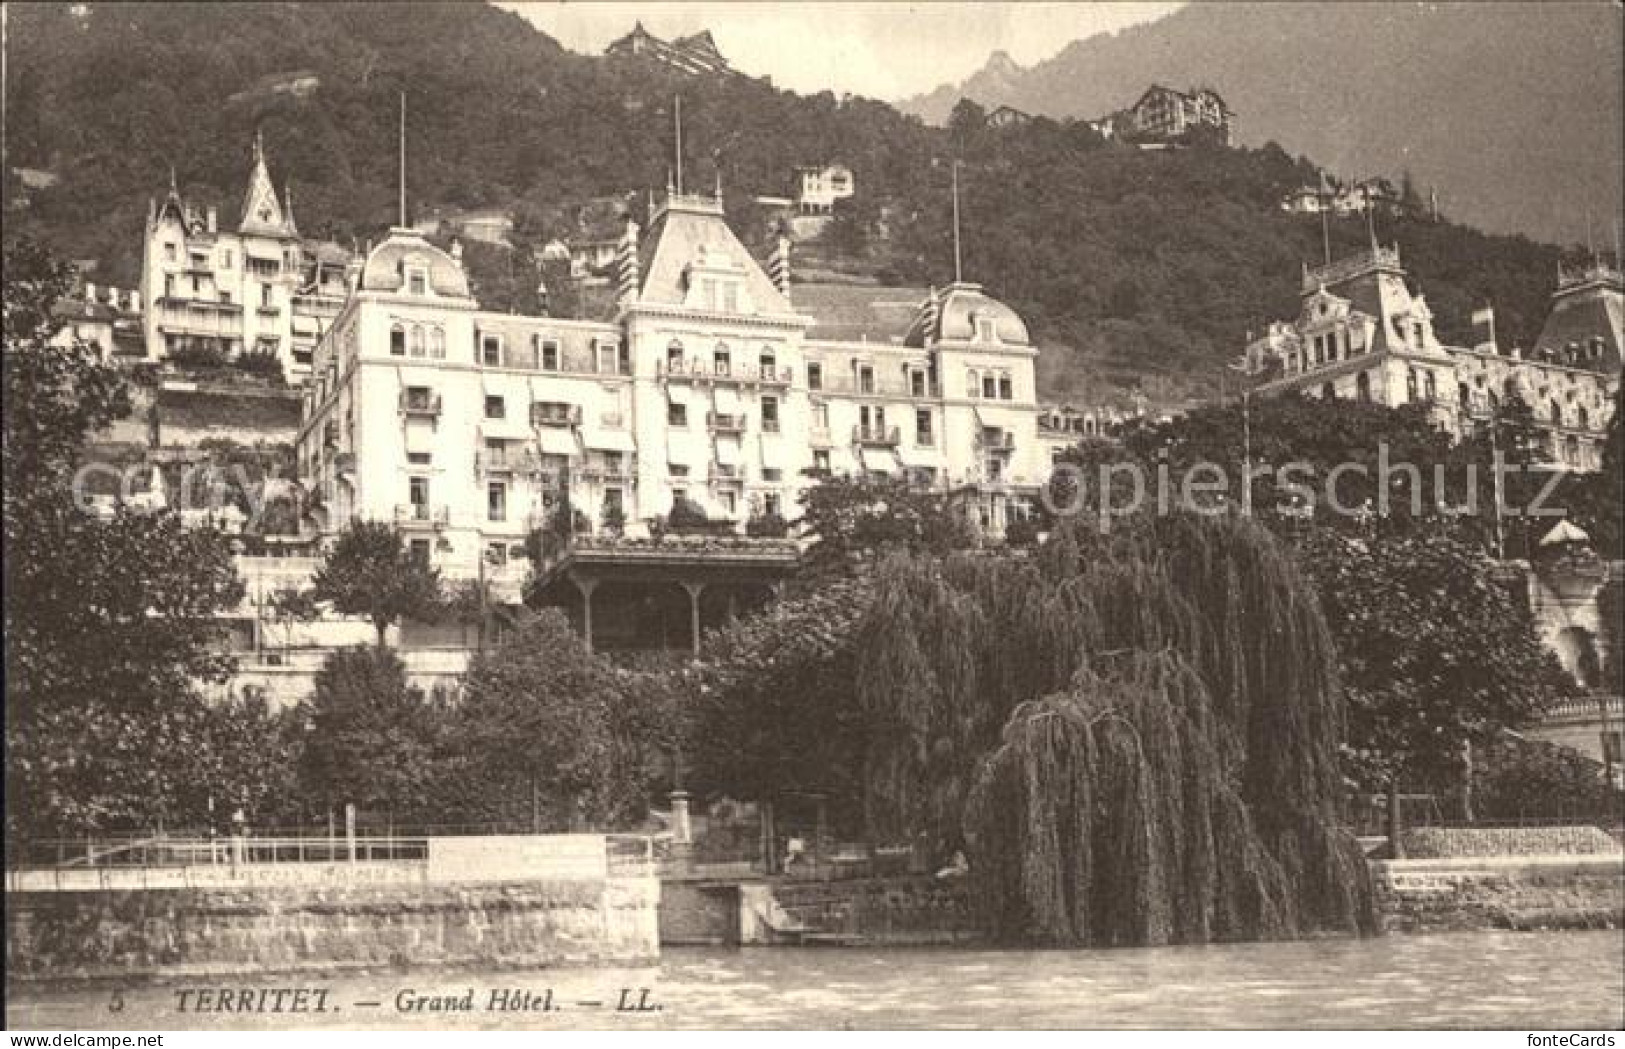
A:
857,518
371,741
550,733
110,625
291,605
370,572
1434,651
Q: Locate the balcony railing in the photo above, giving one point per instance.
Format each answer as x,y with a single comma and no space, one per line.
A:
492,462
998,441
555,413
720,423
422,515
710,371
427,405
893,387
884,436
621,471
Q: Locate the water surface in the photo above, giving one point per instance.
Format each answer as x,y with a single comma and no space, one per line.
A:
1570,980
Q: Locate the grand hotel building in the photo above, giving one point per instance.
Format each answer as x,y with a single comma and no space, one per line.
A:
467,428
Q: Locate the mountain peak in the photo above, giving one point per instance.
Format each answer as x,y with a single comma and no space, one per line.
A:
1000,62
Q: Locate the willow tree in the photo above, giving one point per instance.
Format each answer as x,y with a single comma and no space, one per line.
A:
1136,734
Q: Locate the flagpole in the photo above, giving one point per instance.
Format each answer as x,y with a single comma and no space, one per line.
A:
957,274
403,159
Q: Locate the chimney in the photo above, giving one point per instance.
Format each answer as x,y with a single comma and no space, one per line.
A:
779,266
214,219
626,262
1484,326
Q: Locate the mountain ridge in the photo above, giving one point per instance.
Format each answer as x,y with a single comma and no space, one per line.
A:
1376,89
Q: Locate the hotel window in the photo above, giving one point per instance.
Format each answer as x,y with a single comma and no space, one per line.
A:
730,503
169,252
496,501
437,343
196,288
986,330
916,382
676,414
730,297
772,474
770,414
550,355
990,387
768,363
720,360
1416,330
770,502
821,460
420,551
679,495
491,350
1430,385
229,261
417,489
677,469
973,383
397,341
608,352
265,293
419,458
495,407
815,375
1006,389
866,379
674,356
1410,385
820,416
922,428
417,281
416,340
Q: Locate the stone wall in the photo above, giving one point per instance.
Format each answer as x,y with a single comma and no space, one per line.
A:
1528,892
256,930
696,912
896,910
1460,842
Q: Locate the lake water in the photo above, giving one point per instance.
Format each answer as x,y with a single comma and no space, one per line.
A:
1572,980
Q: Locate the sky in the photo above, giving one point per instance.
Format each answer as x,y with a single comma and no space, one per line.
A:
888,50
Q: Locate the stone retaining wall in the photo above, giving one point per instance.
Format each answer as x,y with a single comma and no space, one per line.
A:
1522,892
1448,842
241,930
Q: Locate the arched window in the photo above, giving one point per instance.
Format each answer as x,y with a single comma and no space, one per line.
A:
437,343
1362,386
973,383
416,342
1328,392
397,340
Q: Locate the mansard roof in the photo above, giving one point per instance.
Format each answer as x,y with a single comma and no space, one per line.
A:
687,229
955,314
385,268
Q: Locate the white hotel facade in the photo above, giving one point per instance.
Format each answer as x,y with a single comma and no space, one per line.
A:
464,426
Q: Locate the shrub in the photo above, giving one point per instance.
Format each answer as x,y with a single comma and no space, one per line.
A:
767,526
197,358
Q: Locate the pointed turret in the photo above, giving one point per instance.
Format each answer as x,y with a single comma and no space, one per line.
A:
262,212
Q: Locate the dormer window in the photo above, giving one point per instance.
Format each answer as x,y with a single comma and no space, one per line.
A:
417,280
987,329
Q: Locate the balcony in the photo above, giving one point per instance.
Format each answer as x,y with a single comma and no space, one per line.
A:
555,413
492,462
697,369
1002,441
420,403
727,424
877,436
621,471
421,515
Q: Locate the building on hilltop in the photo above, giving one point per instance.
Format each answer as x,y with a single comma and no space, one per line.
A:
258,289
695,55
1163,115
1362,334
471,429
1008,116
